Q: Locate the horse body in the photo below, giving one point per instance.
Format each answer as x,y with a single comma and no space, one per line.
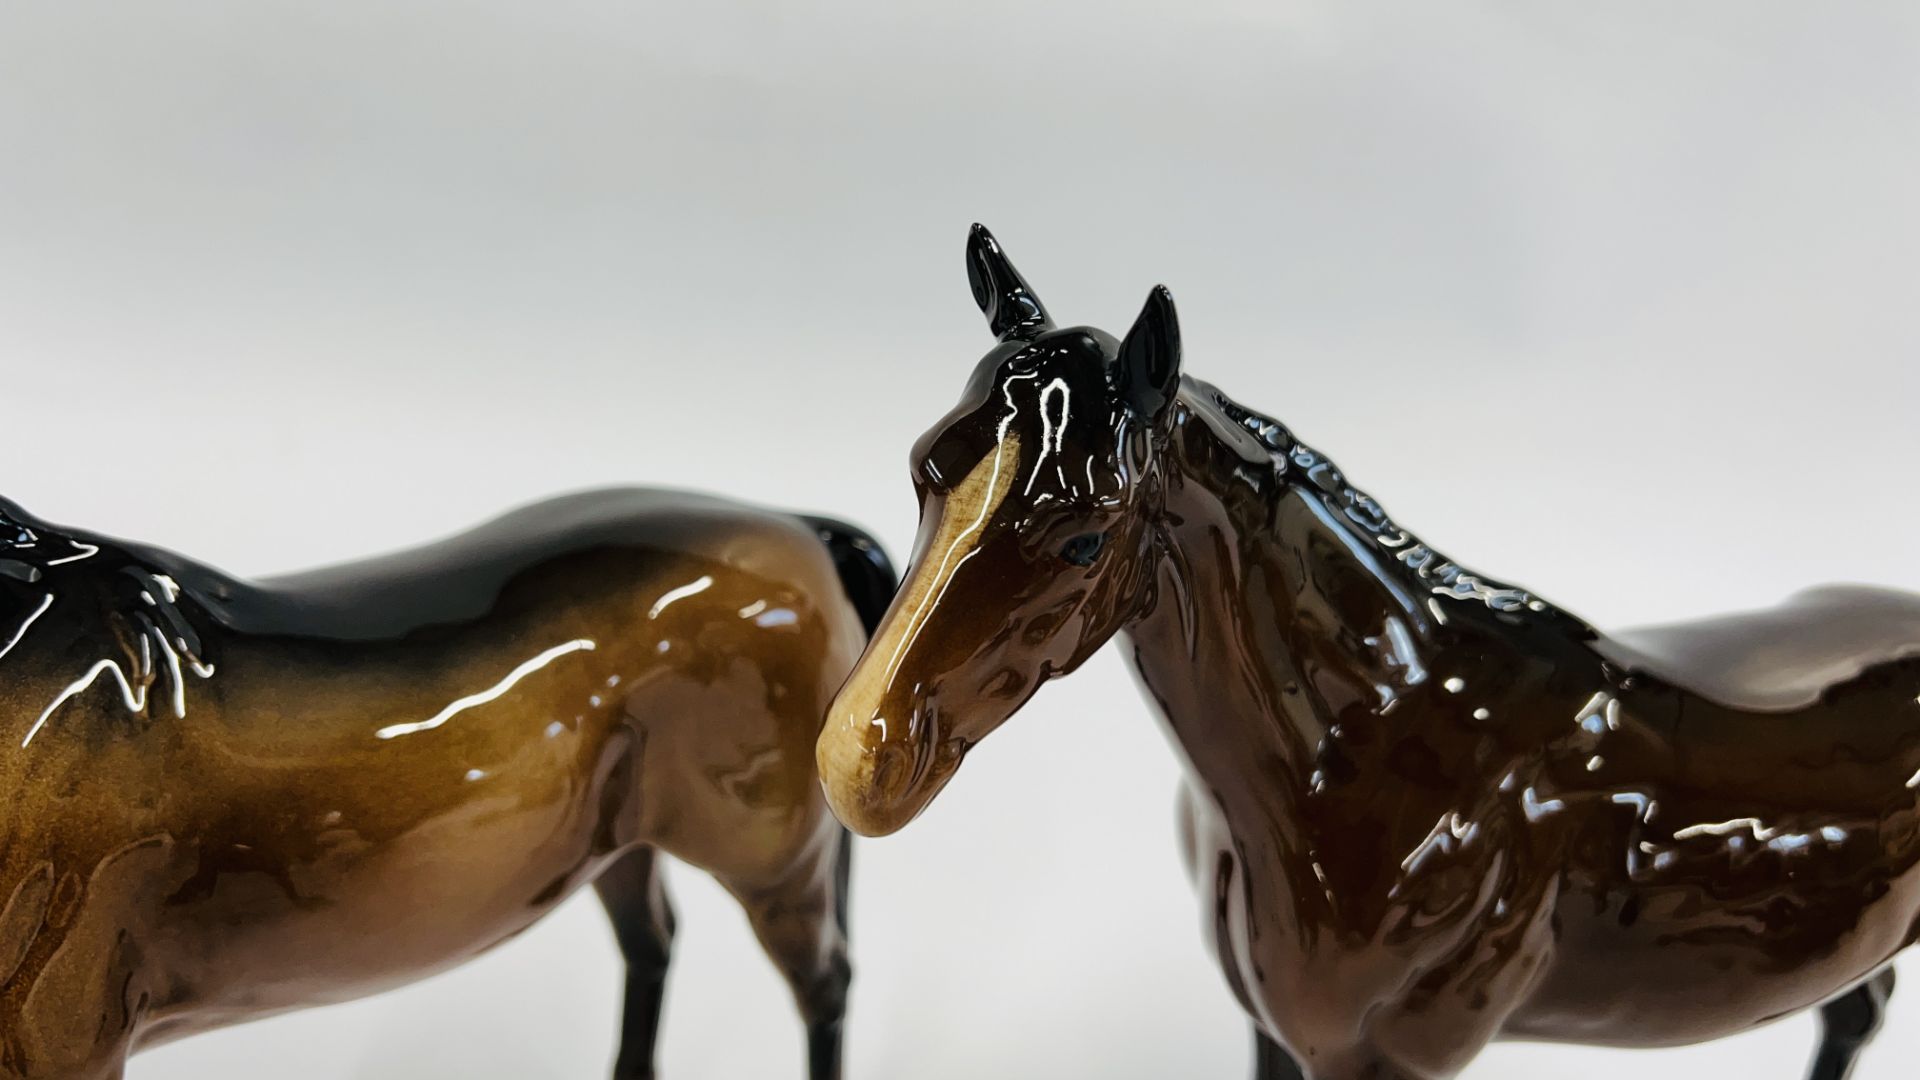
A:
1460,813
228,800
1424,809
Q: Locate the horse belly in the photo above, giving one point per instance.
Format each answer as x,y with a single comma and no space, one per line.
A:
1672,965
265,923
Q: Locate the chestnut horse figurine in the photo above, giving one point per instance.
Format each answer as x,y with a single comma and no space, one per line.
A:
225,799
1426,809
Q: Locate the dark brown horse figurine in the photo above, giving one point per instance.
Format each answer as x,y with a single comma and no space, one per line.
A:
225,800
1426,809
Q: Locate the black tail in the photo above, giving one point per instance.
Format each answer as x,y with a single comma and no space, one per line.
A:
869,579
865,572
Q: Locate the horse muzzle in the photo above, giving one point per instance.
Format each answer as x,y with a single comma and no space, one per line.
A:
875,781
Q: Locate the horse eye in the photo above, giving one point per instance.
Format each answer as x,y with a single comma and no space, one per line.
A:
1083,549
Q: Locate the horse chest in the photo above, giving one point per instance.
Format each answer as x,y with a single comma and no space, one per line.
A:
1330,901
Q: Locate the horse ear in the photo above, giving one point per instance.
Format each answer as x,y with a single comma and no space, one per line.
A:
1147,371
1003,295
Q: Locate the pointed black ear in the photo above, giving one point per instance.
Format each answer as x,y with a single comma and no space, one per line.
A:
1004,298
1147,371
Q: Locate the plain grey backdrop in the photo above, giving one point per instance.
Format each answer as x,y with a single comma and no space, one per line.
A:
1618,301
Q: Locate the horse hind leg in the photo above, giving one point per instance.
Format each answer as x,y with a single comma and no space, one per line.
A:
1847,1024
636,901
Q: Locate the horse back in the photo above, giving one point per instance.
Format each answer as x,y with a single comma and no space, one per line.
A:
1784,658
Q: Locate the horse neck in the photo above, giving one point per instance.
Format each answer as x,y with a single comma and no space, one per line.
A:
1289,603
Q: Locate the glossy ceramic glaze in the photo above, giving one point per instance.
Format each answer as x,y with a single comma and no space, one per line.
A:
1426,809
226,799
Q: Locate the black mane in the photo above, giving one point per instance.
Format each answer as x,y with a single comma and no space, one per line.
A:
103,592
32,549
1296,463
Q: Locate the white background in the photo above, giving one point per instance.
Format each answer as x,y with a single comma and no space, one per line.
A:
1618,301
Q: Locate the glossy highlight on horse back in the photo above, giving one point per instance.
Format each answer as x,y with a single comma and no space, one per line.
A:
227,799
1425,808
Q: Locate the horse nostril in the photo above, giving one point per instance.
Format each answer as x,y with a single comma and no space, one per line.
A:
950,752
892,770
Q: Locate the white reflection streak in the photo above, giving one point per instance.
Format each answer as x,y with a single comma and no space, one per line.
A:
1053,436
1753,826
698,585
1006,393
491,694
179,680
91,551
135,700
28,625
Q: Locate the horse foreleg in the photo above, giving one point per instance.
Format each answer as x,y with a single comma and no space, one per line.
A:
801,923
636,901
1271,1061
1847,1024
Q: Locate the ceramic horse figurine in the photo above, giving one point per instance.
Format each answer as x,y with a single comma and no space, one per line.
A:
227,799
1426,809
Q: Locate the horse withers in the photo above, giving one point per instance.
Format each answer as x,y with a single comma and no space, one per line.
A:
1425,809
228,799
